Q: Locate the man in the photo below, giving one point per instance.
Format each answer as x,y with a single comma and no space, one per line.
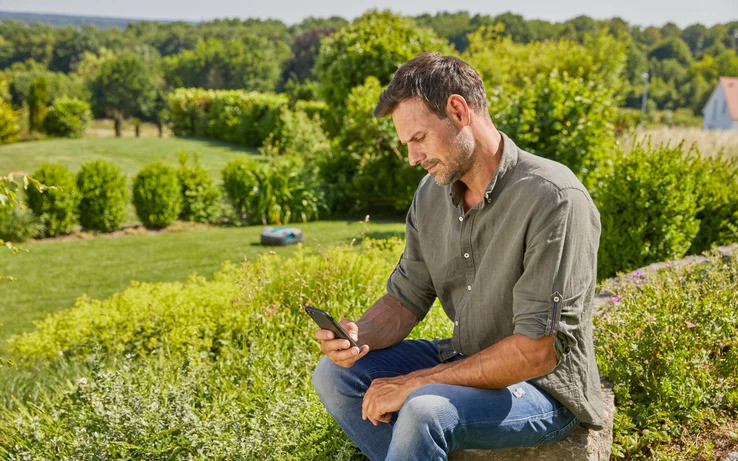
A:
507,241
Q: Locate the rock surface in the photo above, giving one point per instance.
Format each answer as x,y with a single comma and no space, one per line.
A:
582,445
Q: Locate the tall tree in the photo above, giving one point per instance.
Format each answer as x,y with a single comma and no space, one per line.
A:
125,87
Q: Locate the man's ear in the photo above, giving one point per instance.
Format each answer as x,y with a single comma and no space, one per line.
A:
458,110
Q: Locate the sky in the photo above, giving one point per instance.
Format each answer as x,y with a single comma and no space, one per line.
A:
642,12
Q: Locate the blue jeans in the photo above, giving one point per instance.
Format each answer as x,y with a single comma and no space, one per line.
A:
438,418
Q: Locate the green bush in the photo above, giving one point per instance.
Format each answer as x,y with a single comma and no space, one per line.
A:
648,205
9,123
280,191
56,204
200,196
37,100
18,225
237,116
368,170
300,135
668,345
67,117
374,44
104,196
564,118
157,195
717,191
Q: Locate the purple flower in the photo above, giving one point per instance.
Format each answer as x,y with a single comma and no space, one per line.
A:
243,216
615,299
668,265
637,274
690,324
602,313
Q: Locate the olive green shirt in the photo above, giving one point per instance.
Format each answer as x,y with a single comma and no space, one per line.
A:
522,261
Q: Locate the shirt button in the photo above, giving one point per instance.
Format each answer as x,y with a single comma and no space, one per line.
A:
469,288
466,255
461,218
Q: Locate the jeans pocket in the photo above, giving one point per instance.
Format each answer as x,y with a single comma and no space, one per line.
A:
559,434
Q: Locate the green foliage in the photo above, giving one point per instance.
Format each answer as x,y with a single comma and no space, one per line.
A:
668,344
224,364
648,207
56,207
300,135
9,126
67,117
200,196
240,117
564,118
18,225
368,169
280,191
250,62
37,100
21,75
556,98
104,195
124,87
157,195
374,44
717,190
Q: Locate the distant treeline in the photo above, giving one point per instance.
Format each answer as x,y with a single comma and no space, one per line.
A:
268,55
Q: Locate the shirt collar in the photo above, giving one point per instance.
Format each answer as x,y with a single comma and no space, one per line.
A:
507,164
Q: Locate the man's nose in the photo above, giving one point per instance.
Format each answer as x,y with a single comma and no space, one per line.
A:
414,155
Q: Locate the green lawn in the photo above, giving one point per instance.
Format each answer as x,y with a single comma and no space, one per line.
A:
52,274
130,154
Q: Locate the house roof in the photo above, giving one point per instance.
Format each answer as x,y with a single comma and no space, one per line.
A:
730,88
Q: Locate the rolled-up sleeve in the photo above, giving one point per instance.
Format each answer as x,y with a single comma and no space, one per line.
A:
559,268
411,282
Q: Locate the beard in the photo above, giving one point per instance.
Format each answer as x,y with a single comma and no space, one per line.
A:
460,160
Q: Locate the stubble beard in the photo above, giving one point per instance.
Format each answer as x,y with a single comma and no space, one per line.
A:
461,160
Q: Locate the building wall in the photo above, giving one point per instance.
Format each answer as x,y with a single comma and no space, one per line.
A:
716,115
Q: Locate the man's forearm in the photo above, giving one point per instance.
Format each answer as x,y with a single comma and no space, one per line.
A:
386,323
512,360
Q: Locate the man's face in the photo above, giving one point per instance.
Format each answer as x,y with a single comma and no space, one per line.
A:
435,143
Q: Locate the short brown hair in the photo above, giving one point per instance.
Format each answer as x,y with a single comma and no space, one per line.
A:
433,78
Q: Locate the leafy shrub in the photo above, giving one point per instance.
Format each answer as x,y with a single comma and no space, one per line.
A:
67,117
157,195
374,44
200,195
668,345
280,191
18,225
37,100
717,191
369,168
563,118
240,117
56,204
648,208
9,126
104,195
300,135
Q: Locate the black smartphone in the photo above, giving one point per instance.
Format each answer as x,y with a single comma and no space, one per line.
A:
327,322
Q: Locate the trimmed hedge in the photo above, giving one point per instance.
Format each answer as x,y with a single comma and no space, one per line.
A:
157,195
648,208
241,117
56,204
104,196
200,196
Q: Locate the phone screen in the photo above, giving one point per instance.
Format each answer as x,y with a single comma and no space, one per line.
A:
327,322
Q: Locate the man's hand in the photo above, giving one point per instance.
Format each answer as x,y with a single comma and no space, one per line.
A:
386,396
338,350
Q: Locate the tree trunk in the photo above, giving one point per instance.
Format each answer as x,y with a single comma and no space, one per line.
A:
117,123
